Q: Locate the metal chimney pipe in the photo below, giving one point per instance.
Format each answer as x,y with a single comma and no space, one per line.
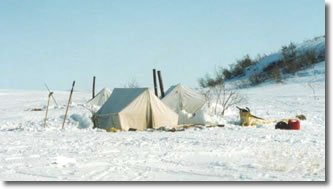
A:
161,82
155,84
93,89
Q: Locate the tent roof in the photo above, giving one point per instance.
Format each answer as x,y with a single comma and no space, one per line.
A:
100,97
103,92
119,99
179,88
178,98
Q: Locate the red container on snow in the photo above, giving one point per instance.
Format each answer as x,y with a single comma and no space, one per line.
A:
294,124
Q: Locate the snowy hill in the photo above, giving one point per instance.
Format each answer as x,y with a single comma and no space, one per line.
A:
232,153
317,45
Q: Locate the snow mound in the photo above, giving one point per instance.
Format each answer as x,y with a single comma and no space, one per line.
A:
83,120
200,117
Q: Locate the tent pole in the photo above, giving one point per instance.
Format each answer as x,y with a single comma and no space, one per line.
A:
155,84
161,82
93,89
69,101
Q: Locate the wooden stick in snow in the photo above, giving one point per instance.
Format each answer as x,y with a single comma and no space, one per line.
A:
52,95
47,108
69,101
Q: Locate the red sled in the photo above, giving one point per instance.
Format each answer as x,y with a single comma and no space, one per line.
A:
294,124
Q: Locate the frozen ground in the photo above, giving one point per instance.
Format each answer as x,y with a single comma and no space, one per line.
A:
30,152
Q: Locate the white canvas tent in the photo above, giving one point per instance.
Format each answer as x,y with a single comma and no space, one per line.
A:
179,98
136,108
101,97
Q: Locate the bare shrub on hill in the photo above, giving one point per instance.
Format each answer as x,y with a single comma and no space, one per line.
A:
227,74
225,98
289,58
273,71
321,56
256,79
207,93
276,74
307,59
241,65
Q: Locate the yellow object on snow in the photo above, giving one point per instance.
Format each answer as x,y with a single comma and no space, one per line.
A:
113,129
247,119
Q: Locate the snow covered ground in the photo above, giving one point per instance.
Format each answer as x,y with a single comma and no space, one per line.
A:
260,153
